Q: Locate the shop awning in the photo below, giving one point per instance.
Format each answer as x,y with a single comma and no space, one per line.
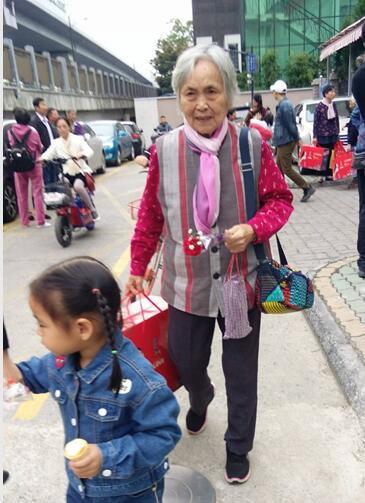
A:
342,39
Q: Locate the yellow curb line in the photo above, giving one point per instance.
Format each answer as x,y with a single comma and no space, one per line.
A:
30,408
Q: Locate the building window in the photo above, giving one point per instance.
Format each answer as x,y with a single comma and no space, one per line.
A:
234,54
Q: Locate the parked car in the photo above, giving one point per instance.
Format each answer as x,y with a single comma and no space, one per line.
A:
136,134
97,160
304,113
117,143
10,207
241,114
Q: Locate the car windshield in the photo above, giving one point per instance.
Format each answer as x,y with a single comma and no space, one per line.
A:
103,128
342,108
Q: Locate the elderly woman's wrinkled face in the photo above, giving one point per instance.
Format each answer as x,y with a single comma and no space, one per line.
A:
202,98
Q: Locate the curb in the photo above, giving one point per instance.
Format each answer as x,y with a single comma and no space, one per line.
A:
343,358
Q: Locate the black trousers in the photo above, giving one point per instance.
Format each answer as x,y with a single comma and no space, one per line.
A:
361,229
190,340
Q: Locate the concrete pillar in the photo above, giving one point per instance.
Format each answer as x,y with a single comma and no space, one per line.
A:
83,68
123,86
47,55
66,82
101,90
30,50
14,69
92,70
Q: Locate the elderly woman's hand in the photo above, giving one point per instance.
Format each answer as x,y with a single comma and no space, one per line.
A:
238,237
134,285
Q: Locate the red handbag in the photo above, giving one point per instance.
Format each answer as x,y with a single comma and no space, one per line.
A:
342,165
89,182
311,156
145,323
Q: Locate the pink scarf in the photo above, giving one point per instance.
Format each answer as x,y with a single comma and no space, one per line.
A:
207,191
331,114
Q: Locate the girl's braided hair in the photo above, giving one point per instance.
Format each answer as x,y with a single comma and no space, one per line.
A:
82,286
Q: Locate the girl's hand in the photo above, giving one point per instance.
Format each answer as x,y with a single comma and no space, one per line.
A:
10,370
134,285
238,237
90,463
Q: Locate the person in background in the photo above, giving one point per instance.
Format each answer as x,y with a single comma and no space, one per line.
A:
34,176
286,137
326,125
358,90
232,114
77,151
257,111
76,127
125,411
52,116
164,126
195,181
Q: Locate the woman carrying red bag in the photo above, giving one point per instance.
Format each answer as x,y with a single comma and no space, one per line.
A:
326,126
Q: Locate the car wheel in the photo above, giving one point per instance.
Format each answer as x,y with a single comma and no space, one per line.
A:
132,154
10,208
119,158
63,231
102,168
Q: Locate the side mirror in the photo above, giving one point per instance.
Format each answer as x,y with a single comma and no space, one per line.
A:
87,137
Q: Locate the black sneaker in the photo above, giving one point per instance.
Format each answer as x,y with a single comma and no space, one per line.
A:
361,274
95,215
47,217
307,193
237,468
195,423
5,476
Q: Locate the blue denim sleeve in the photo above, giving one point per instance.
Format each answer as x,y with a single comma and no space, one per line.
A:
156,433
35,374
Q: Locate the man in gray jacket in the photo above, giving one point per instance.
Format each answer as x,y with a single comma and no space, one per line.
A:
286,137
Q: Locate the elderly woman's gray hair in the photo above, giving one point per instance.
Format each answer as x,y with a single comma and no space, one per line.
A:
190,57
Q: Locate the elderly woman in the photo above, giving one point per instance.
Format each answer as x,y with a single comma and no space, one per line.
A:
195,181
326,126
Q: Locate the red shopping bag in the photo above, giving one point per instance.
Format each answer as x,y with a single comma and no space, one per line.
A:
145,323
339,147
311,156
342,165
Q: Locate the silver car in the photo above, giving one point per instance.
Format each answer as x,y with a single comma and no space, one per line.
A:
97,160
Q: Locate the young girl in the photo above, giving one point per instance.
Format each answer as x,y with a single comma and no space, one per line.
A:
107,391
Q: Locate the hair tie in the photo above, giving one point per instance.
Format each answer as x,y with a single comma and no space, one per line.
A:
114,352
95,291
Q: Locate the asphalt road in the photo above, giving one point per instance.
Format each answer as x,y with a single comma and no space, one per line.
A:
309,445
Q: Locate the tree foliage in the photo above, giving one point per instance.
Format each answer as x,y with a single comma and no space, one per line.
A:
270,69
168,50
301,70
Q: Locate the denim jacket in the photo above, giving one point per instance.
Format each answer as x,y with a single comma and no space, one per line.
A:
285,127
134,430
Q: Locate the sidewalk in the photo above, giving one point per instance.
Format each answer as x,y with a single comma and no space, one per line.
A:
321,238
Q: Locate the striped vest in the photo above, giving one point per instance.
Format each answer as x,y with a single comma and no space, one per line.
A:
194,284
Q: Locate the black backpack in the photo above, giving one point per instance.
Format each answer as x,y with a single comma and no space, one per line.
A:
19,158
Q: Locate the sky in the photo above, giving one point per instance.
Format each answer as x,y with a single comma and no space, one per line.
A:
130,29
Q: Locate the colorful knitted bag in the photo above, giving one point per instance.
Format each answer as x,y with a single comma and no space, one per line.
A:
279,289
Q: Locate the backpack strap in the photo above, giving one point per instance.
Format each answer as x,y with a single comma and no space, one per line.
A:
23,140
251,195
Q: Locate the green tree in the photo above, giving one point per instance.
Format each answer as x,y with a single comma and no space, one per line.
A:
301,70
269,69
168,50
242,81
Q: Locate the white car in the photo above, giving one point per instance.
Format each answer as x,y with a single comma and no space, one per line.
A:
97,160
304,113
